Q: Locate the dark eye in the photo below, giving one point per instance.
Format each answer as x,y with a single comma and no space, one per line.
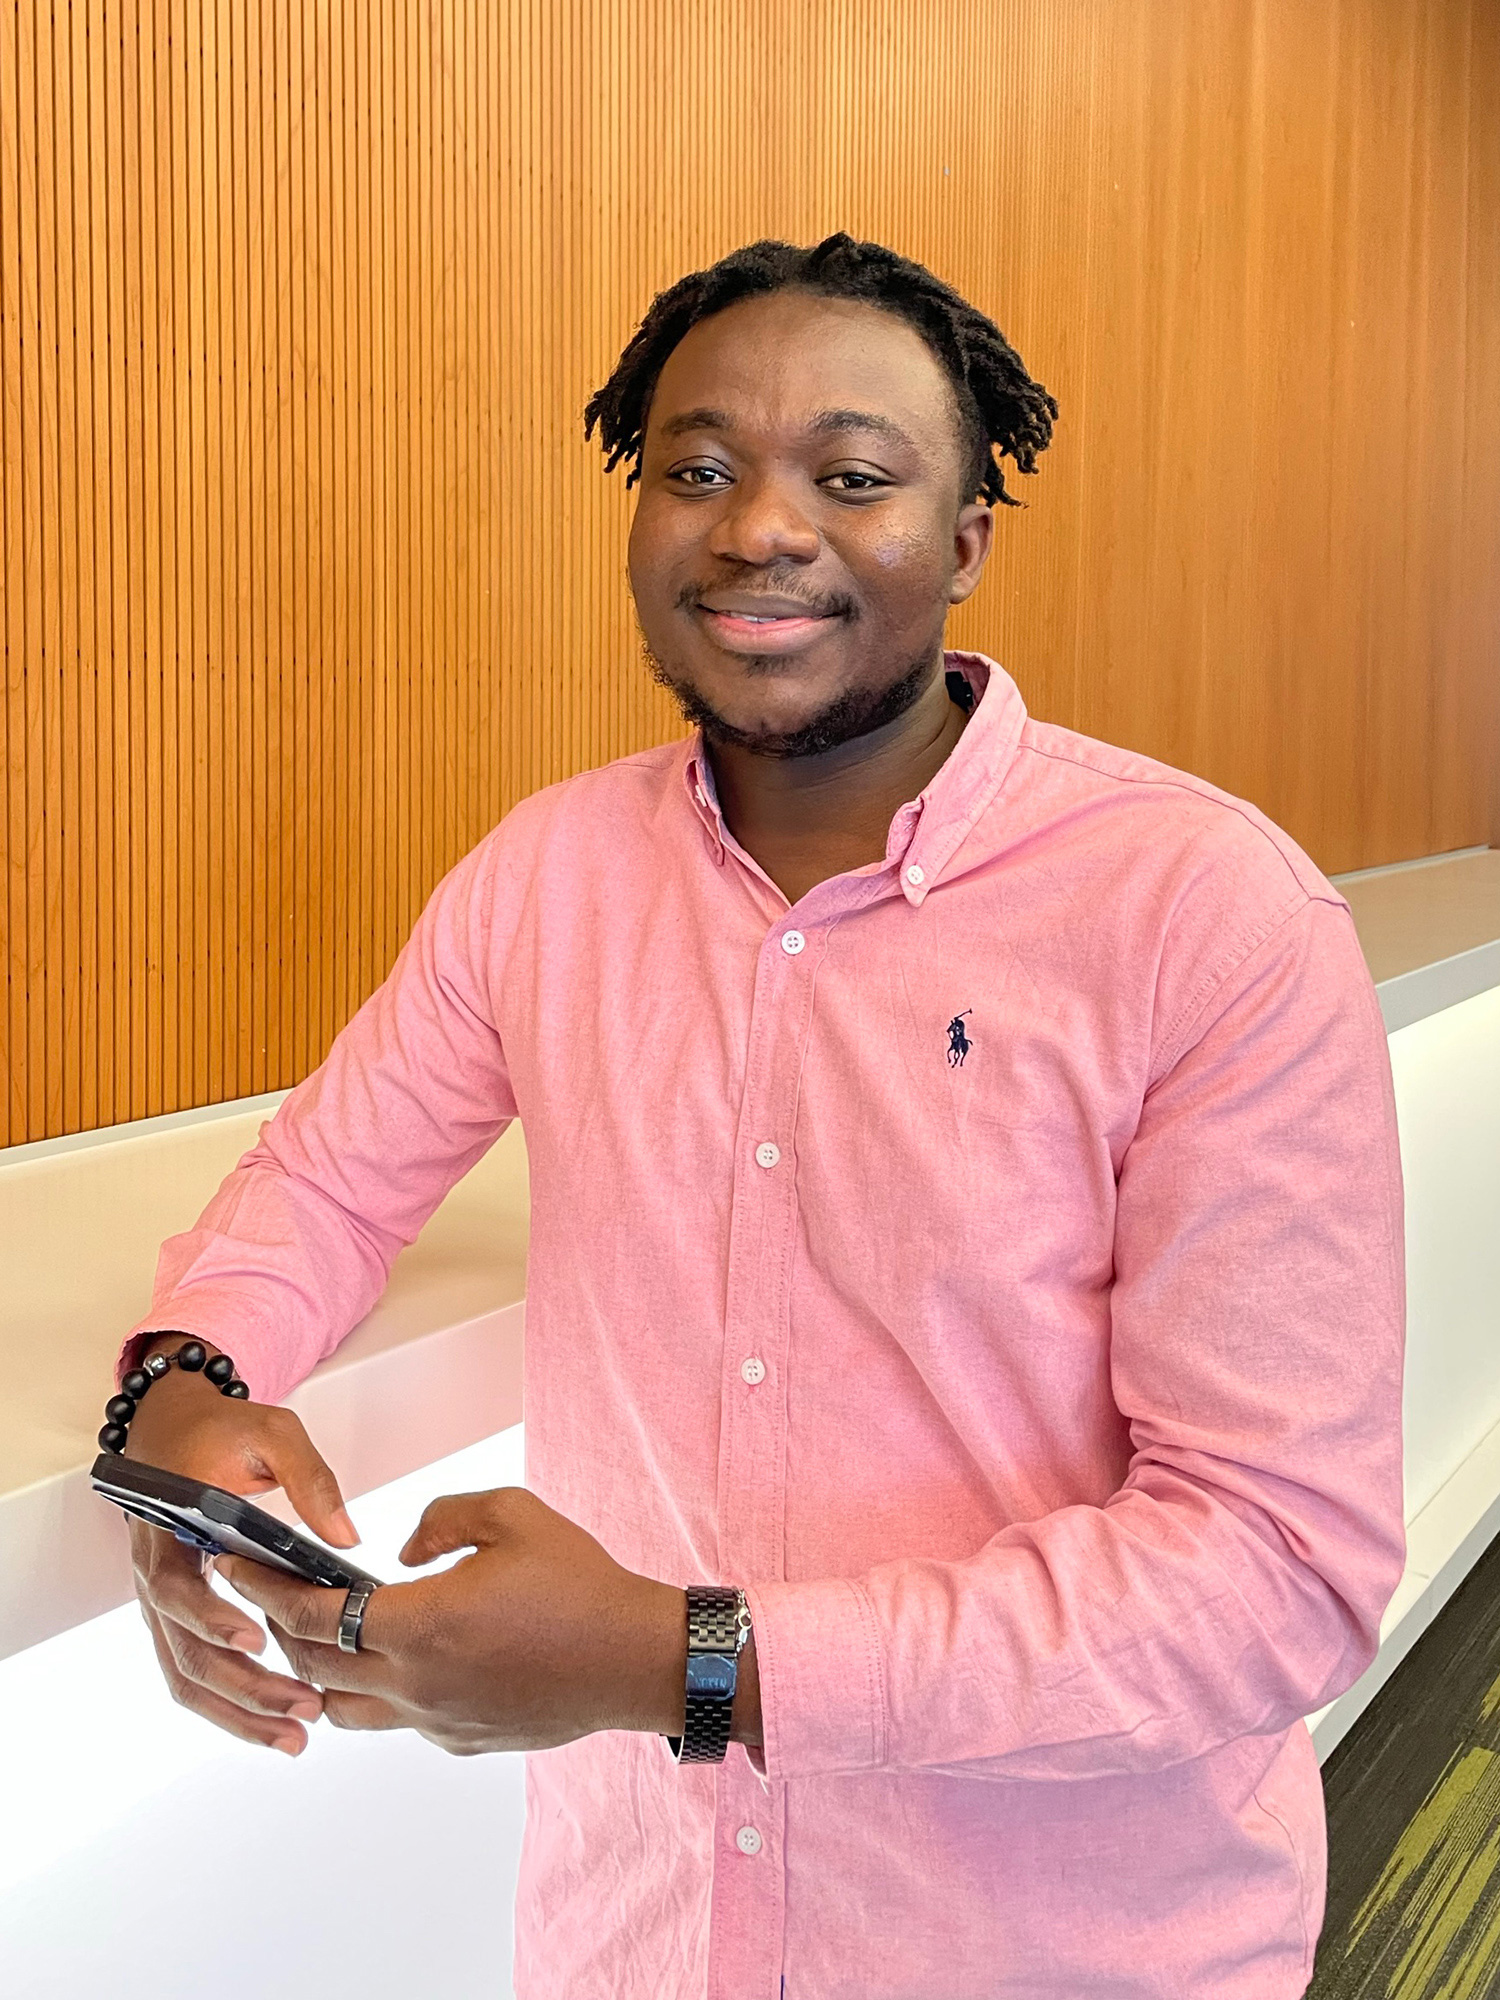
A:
855,482
703,477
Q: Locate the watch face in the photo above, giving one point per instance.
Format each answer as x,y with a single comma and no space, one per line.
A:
711,1673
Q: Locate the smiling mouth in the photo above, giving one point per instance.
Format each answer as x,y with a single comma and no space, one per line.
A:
769,611
764,633
764,621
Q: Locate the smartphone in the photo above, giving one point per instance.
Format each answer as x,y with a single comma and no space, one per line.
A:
206,1517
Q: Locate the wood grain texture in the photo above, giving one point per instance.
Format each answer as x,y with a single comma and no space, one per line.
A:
308,573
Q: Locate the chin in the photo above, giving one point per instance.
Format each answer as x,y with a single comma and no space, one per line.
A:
819,721
749,711
794,733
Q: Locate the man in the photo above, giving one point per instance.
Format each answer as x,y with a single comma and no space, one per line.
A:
1044,1405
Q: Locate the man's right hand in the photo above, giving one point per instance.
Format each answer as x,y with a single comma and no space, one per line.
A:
203,1642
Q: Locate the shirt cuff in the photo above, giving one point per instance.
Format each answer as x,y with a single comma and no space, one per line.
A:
243,1344
822,1684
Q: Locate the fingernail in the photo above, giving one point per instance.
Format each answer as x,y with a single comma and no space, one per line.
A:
305,1711
350,1532
246,1642
291,1745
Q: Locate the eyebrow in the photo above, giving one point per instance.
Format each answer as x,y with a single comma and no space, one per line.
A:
697,420
827,423
832,423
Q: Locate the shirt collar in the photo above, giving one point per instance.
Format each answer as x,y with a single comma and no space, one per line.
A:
698,775
928,830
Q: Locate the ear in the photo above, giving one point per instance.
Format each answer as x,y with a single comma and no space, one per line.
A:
973,535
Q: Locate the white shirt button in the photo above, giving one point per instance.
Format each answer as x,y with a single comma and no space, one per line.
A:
747,1840
792,942
915,876
753,1370
767,1155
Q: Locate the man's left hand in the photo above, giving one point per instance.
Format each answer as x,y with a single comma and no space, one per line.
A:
535,1639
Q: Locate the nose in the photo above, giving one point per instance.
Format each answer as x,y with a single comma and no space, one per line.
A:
763,523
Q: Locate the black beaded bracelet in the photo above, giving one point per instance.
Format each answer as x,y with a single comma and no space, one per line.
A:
192,1359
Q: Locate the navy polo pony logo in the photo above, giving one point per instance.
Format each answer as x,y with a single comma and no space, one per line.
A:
959,1044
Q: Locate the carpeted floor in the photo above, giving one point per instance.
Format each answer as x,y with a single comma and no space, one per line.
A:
1413,1795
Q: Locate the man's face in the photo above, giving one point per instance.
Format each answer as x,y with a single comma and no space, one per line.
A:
802,528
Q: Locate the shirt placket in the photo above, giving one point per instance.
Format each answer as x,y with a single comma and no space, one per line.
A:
749,1874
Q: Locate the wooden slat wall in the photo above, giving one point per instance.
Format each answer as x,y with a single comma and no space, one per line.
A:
308,574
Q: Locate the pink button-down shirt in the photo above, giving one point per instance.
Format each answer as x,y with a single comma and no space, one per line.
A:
993,1263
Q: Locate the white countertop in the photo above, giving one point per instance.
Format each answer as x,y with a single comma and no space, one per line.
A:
1430,930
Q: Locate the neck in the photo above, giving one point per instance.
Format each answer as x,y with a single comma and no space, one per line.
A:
805,819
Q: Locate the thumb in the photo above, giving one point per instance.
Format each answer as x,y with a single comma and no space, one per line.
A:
456,1521
307,1479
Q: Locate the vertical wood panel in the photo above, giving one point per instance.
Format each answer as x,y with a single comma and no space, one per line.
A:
308,574
12,436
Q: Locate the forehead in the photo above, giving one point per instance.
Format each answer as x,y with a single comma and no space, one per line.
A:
771,364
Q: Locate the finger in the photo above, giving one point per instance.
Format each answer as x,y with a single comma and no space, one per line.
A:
306,1477
328,1667
285,1735
243,1682
457,1741
176,1584
458,1521
361,1711
305,1610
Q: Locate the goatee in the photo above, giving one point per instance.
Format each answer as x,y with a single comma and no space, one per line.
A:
850,715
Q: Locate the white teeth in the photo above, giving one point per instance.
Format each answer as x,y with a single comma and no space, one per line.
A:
759,617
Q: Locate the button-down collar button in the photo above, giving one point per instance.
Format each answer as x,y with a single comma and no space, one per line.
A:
753,1370
792,942
767,1155
915,876
747,1840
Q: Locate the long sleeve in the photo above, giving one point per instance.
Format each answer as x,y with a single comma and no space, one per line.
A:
298,1242
1235,1581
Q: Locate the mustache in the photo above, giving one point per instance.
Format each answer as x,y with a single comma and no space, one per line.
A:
831,605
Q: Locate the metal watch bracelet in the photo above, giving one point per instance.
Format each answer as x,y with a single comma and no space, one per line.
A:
718,1623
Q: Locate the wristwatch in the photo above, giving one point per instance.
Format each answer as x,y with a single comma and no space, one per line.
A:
718,1622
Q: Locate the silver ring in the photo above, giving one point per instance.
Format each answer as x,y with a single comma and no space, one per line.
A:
353,1615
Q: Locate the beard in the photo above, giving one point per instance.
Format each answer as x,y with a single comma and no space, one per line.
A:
852,714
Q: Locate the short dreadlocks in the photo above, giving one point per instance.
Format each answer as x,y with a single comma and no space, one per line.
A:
1004,413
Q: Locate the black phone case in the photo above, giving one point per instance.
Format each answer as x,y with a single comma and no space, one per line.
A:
206,1517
